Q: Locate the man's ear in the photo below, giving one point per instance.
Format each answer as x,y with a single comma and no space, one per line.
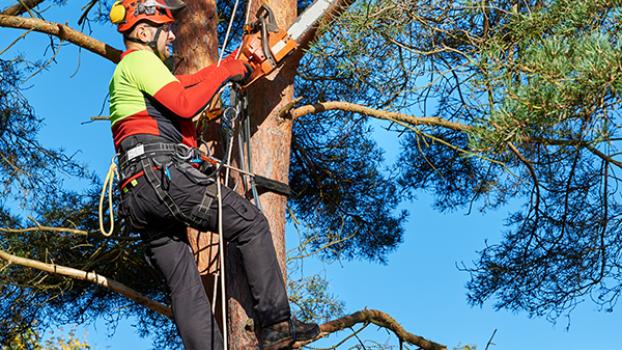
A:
141,33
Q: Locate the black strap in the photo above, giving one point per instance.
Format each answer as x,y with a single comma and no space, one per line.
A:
206,202
272,185
134,40
152,178
198,215
153,44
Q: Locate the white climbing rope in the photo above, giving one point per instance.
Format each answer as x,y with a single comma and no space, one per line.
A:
107,186
221,261
224,43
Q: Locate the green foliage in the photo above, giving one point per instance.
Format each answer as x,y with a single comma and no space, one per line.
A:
29,171
32,340
337,176
536,86
311,297
341,192
550,71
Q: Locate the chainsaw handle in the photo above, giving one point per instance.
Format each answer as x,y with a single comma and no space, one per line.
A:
266,16
265,41
264,44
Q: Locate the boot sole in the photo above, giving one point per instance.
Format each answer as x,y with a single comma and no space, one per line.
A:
282,344
308,335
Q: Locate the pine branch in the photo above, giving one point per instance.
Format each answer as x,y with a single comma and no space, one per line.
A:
378,318
338,8
63,32
92,277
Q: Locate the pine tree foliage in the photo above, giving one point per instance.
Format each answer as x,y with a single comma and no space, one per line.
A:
533,91
533,88
28,169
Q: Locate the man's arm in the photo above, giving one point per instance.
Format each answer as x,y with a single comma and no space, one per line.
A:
153,78
188,80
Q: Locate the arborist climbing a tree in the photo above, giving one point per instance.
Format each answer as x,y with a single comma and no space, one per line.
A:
163,191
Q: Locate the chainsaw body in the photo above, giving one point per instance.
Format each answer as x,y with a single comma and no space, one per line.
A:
264,44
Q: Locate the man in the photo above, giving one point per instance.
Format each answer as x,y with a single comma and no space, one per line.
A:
151,113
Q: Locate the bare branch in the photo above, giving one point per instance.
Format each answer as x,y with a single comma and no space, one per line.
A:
532,172
100,117
380,114
64,32
90,277
576,143
490,340
21,7
44,228
378,318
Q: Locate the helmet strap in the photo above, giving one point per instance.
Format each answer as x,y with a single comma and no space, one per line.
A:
135,40
153,44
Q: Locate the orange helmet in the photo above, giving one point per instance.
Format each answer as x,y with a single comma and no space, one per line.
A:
126,13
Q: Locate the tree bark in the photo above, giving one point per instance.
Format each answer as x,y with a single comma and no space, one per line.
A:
20,7
63,32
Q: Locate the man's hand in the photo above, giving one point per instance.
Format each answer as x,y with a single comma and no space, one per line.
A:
239,71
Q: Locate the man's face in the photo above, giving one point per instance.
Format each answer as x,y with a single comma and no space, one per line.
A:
165,41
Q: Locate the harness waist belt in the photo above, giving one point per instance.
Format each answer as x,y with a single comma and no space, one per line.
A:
150,150
134,155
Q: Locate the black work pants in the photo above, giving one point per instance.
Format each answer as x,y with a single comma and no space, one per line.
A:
243,225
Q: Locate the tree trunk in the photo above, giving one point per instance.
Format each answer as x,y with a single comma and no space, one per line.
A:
197,43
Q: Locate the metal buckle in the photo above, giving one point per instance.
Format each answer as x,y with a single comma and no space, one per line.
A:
183,151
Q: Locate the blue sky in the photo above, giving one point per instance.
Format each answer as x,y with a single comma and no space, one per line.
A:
420,286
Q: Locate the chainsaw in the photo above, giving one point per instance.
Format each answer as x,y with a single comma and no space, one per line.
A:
265,45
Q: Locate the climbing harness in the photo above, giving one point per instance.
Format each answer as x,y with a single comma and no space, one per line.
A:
143,157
